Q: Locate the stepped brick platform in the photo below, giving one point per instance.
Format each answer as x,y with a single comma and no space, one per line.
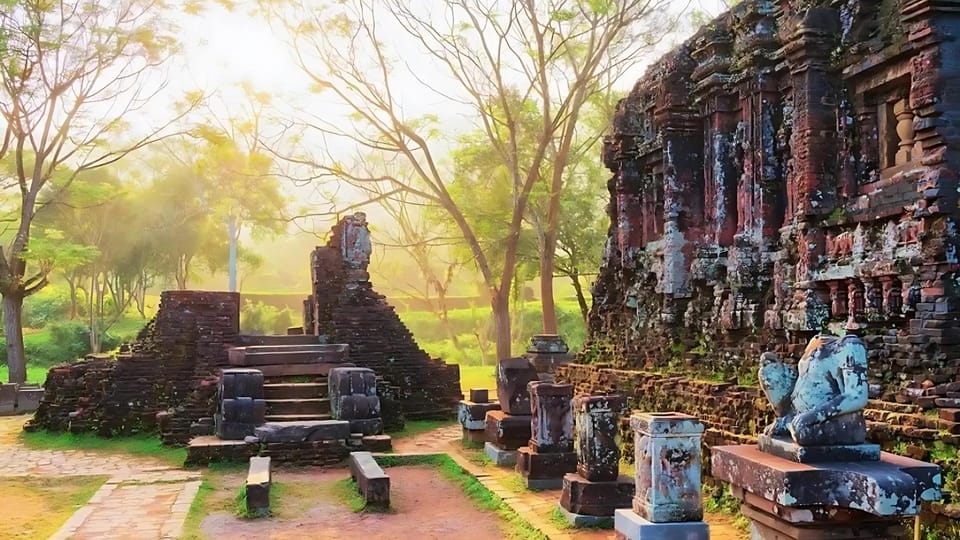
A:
344,307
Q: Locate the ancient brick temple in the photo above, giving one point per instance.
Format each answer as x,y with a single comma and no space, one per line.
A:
790,169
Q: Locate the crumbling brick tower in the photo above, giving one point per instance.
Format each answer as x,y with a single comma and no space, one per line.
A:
789,169
344,307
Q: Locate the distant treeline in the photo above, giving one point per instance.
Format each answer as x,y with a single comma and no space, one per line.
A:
294,301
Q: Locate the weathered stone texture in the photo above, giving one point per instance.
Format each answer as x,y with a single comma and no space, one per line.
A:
790,169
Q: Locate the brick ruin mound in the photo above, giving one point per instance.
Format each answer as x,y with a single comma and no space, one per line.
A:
173,367
790,169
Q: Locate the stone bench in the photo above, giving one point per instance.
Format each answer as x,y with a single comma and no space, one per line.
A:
258,486
372,482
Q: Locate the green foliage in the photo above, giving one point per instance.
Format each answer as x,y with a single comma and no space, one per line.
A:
138,445
49,305
63,341
416,427
257,318
346,493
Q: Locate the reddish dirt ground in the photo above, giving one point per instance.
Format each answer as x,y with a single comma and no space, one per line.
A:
425,506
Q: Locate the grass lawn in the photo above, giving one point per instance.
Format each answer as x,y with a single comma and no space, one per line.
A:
478,377
416,427
138,445
39,506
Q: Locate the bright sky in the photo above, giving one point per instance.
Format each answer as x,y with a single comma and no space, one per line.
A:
223,49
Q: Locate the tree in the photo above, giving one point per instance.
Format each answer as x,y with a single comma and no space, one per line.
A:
495,54
71,73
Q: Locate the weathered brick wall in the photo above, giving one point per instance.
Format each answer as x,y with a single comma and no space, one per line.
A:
169,366
347,310
790,169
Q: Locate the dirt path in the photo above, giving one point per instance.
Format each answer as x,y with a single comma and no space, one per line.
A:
424,506
535,506
143,498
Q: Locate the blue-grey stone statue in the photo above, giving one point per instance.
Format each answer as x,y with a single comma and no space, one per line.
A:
821,400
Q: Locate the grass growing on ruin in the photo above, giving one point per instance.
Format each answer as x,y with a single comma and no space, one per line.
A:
348,495
559,520
479,495
42,505
137,445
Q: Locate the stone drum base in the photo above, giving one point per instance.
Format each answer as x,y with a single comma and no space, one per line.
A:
630,526
601,499
543,470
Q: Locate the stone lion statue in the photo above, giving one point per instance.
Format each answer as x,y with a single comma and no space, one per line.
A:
819,401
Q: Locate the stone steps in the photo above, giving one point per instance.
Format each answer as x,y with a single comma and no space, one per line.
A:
316,406
314,354
274,391
246,341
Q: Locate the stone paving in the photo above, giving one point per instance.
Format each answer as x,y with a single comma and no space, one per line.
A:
142,499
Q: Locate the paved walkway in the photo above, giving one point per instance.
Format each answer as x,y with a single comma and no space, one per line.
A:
534,506
142,499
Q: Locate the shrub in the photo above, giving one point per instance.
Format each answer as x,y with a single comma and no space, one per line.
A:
257,318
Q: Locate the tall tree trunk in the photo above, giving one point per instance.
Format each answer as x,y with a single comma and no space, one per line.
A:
581,299
13,328
501,321
71,282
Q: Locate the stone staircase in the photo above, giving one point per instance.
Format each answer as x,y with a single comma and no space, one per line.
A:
295,372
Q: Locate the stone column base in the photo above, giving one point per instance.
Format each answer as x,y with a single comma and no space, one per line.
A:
499,456
473,416
545,470
583,497
474,438
630,526
766,526
507,431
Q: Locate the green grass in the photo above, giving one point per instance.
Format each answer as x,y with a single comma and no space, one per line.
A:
198,511
348,495
479,495
478,377
559,520
138,445
417,427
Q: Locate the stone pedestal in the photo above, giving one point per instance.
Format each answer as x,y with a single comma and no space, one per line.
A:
513,375
546,352
549,454
507,431
788,500
353,397
472,414
597,489
667,503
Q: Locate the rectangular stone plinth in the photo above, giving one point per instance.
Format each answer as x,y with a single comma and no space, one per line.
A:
787,449
893,486
668,467
583,497
551,425
630,526
473,415
507,431
597,426
479,395
541,465
474,438
318,430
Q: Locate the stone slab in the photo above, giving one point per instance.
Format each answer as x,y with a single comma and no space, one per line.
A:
584,521
319,430
893,486
630,526
28,399
293,370
583,497
367,426
473,415
499,456
508,431
372,482
8,398
541,466
258,486
543,484
787,449
240,356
